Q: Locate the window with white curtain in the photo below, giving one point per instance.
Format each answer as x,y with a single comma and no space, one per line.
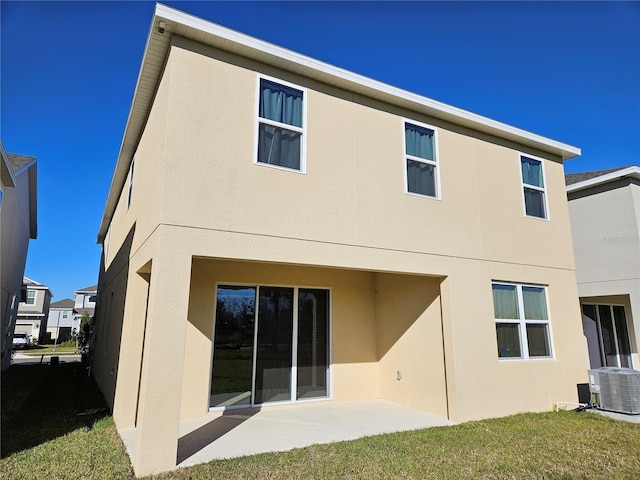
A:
421,167
535,198
522,321
281,113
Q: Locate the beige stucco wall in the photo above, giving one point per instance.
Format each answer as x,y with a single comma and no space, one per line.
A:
198,170
410,277
354,179
487,386
410,341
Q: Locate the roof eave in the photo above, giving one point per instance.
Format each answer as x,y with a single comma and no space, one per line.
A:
632,172
203,31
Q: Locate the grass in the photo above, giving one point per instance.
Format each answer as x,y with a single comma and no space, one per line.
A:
38,350
43,437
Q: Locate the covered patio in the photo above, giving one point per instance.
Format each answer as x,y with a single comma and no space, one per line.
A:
235,433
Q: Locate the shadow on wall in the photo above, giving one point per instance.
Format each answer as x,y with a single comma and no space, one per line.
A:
107,329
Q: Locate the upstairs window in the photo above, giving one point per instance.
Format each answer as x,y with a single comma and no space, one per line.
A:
535,198
281,126
31,297
420,158
522,321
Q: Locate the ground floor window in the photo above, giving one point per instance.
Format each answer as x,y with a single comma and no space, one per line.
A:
522,320
271,344
605,327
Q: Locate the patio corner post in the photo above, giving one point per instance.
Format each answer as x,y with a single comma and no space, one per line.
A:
159,397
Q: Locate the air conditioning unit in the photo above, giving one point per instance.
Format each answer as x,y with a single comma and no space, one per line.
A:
615,389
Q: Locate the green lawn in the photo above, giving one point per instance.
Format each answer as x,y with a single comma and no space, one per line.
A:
48,350
42,437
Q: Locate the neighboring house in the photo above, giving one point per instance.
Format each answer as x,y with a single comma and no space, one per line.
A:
68,313
85,301
62,320
33,312
18,224
280,231
605,221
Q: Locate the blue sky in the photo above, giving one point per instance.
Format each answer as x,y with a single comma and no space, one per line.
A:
566,70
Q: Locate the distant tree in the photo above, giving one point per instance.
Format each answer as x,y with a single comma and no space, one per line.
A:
84,335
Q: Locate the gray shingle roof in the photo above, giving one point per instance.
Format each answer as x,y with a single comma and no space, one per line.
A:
571,178
66,303
92,288
18,161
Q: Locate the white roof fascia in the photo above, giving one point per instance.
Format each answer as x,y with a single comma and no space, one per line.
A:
217,36
633,172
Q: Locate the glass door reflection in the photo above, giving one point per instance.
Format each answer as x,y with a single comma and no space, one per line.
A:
233,346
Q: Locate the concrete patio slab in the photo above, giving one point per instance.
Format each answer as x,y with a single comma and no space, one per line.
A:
248,432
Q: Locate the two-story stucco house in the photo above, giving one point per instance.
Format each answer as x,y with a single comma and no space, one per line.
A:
33,312
281,231
604,206
18,225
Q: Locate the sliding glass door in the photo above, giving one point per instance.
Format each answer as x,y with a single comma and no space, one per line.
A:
312,351
274,345
271,344
232,374
605,327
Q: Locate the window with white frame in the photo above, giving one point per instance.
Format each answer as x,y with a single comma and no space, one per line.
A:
31,297
420,157
535,201
522,320
281,125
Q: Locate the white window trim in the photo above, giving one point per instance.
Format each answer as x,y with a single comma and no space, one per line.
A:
434,163
522,323
35,294
544,190
294,345
302,131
